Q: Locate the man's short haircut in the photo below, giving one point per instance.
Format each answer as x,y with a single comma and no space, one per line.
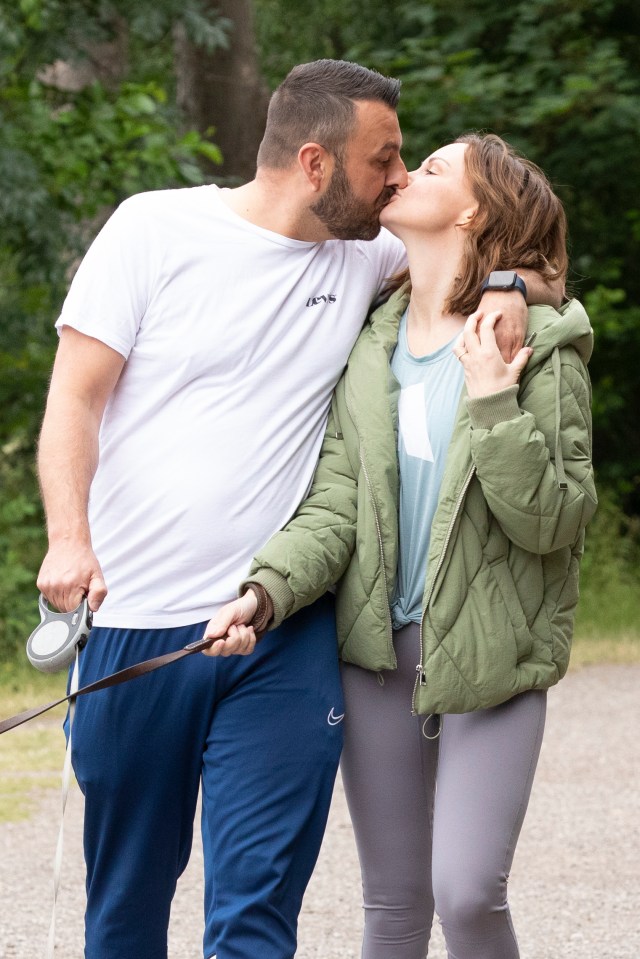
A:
315,103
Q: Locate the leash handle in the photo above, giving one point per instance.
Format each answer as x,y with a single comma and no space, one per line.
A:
52,645
114,679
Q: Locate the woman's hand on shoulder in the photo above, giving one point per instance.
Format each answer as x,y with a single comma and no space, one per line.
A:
485,371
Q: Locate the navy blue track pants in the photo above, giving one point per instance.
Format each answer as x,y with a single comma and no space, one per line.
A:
259,732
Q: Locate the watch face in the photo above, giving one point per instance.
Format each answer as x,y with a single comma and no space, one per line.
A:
502,279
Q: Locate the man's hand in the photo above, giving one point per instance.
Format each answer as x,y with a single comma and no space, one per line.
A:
229,623
69,573
541,290
511,328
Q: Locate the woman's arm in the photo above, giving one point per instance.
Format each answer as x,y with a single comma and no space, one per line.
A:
313,550
311,553
542,505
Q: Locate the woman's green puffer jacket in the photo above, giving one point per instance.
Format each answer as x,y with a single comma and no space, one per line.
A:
507,538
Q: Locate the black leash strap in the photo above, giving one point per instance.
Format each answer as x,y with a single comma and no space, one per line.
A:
122,676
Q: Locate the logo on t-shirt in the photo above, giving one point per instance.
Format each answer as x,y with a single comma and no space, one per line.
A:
323,298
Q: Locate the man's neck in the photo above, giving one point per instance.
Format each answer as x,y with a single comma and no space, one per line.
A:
272,205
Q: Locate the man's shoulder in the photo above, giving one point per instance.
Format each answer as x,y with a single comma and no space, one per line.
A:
176,199
153,218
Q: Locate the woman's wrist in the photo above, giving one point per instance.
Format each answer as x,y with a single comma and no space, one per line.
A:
487,411
264,609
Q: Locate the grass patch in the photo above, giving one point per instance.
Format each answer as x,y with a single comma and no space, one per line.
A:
31,756
19,795
22,686
32,749
609,605
608,616
596,650
31,759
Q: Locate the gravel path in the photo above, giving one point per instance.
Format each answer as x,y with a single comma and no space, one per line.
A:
575,884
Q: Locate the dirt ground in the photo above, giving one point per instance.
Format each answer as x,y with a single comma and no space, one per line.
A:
574,888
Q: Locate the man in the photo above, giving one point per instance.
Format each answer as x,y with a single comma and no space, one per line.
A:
199,345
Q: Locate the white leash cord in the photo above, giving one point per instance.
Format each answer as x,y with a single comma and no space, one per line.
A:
66,780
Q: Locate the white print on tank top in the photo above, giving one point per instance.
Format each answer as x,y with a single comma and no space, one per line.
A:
413,423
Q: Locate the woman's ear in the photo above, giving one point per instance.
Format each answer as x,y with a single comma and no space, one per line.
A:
467,216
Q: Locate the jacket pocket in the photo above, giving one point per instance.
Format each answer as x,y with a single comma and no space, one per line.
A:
521,632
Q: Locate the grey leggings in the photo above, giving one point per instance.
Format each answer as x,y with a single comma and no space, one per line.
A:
420,848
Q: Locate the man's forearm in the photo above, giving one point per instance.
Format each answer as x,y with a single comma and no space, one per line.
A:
539,290
67,461
84,376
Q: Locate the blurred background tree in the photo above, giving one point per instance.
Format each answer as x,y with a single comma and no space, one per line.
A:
103,98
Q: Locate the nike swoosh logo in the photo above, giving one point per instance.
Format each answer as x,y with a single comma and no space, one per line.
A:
333,720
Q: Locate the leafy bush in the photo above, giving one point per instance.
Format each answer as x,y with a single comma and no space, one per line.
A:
22,544
610,574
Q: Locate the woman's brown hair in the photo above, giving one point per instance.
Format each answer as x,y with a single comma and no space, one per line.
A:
520,222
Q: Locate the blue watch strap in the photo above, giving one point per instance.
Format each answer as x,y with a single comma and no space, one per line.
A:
505,280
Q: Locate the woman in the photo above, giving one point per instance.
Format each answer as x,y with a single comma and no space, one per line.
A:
458,572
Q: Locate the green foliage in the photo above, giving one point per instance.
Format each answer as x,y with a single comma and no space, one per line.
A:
68,157
21,546
289,32
610,584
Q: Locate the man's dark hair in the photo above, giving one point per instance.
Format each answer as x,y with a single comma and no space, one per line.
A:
315,103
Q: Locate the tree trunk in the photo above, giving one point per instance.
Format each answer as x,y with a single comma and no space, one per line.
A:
225,90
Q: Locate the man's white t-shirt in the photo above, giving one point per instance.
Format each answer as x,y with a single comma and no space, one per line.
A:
234,338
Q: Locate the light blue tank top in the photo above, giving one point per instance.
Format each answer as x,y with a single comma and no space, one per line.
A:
429,398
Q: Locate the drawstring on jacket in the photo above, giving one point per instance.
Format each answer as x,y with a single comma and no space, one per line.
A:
438,719
555,364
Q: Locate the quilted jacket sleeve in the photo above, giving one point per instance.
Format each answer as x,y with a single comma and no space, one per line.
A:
532,452
313,550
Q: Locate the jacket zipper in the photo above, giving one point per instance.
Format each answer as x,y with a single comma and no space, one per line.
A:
378,528
421,678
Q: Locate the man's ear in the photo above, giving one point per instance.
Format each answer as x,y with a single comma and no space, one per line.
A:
316,163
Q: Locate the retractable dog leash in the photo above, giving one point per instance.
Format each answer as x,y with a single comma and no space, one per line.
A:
53,645
65,645
66,782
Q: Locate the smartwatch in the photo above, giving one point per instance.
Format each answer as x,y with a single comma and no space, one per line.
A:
504,280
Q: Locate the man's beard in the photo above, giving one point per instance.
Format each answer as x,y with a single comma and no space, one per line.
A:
344,215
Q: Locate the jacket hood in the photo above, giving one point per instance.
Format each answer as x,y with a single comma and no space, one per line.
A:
568,326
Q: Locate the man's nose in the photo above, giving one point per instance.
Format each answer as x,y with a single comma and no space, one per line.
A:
398,175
